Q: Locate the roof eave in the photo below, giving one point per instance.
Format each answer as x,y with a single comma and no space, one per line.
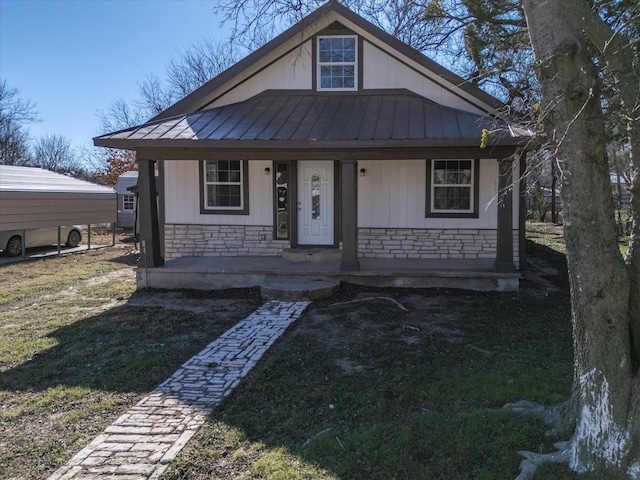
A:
266,145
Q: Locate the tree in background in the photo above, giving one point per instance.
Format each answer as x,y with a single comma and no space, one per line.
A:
196,66
15,114
51,152
117,162
190,70
193,68
120,115
54,152
256,21
490,42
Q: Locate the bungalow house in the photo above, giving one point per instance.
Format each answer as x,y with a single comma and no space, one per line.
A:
333,142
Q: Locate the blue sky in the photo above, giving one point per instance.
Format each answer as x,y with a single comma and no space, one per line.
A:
74,57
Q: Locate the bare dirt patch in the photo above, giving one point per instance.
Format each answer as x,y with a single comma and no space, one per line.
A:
384,315
179,300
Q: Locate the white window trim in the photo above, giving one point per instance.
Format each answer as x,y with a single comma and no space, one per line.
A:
132,198
320,64
471,184
206,190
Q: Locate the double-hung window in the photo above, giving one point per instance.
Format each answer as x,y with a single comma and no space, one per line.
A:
452,188
224,186
128,202
337,63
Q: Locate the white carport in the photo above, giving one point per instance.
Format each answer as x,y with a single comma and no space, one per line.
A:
32,198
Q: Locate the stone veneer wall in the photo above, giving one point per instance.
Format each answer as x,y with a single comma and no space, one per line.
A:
446,243
239,240
221,241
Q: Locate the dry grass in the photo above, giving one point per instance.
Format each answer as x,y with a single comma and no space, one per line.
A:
78,346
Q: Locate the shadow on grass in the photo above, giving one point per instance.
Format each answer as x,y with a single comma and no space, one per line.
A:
539,255
129,258
550,254
124,349
362,391
367,391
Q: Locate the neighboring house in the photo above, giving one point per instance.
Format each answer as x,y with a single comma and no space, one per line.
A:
621,189
126,199
334,135
129,202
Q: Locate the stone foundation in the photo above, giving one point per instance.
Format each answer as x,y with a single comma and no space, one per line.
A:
221,241
472,244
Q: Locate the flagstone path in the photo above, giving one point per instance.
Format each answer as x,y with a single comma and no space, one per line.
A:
141,443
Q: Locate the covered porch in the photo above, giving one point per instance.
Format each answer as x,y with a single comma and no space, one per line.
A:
300,127
203,272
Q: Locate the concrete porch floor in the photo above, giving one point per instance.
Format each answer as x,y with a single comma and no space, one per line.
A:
215,273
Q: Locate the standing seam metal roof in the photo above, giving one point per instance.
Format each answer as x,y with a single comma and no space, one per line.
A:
309,116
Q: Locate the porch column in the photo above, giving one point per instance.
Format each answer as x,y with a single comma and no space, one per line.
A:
150,255
522,212
349,214
504,247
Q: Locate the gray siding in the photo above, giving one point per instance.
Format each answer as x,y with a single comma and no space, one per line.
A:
32,198
126,218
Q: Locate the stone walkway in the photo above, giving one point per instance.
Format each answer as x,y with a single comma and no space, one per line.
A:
142,442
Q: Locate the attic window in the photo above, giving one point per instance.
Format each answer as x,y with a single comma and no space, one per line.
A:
337,63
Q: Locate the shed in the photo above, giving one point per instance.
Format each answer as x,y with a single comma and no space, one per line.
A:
33,197
126,199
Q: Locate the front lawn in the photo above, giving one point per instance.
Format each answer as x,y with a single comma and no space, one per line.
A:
358,390
367,391
78,347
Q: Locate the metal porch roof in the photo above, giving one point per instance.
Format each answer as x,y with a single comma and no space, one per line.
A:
297,118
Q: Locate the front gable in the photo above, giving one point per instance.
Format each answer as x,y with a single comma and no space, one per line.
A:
291,62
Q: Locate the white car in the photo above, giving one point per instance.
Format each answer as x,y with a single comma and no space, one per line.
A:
11,240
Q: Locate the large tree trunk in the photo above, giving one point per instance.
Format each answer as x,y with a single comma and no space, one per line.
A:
607,434
619,58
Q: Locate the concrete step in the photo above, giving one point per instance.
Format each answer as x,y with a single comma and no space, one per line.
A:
312,254
291,289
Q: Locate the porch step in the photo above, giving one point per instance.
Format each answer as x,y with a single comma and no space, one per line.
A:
296,288
312,254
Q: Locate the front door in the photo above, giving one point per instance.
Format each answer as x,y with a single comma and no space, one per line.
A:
315,203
